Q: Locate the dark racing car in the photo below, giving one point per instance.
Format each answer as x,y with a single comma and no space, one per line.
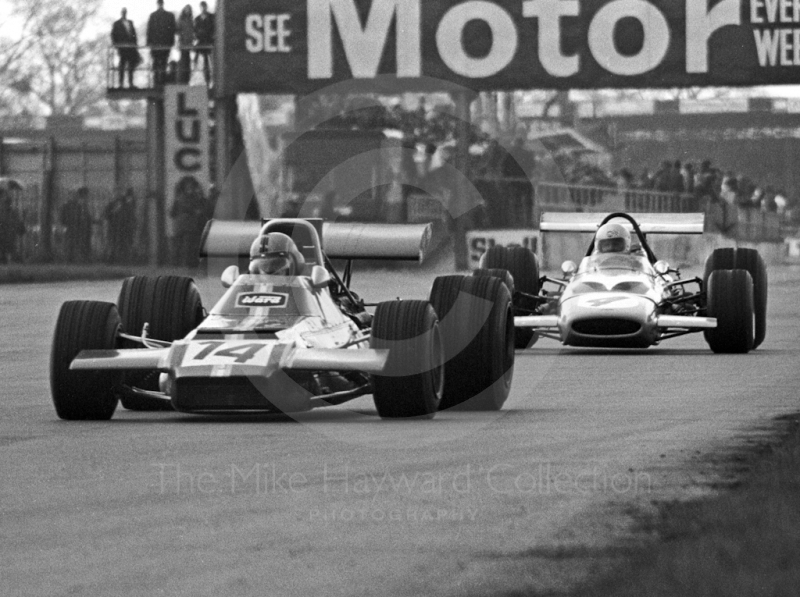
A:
289,334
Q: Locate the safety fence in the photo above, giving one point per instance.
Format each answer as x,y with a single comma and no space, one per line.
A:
568,197
52,173
513,203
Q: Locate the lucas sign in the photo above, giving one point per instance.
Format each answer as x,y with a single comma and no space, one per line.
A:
298,46
186,143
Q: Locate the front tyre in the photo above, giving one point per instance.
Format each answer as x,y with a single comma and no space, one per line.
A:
478,333
412,382
750,260
172,307
84,395
730,300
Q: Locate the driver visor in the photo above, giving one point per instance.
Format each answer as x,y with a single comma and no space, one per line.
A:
278,264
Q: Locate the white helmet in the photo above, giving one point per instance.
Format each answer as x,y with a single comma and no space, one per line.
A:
612,238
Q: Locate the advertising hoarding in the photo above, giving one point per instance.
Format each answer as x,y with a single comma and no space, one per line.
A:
299,46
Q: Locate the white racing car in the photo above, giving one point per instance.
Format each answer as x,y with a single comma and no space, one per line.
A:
288,335
622,296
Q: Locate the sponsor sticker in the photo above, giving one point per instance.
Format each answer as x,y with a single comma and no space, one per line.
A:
261,299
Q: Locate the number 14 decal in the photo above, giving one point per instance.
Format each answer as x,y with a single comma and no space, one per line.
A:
240,352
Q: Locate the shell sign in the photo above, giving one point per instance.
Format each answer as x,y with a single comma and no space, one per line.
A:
299,46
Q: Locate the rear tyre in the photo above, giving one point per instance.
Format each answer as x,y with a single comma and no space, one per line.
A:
478,332
84,395
523,266
521,263
413,379
730,300
501,274
172,307
750,260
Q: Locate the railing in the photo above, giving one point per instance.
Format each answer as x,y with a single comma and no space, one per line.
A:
561,197
144,76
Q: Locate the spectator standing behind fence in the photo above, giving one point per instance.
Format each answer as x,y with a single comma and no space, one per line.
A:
12,228
121,226
123,37
161,28
518,165
185,43
204,34
77,220
189,215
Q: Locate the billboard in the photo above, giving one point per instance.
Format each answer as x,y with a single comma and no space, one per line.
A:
186,144
299,46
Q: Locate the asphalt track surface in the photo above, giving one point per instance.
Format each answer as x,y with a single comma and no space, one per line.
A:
338,502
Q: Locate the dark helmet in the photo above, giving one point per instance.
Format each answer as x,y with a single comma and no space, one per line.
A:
275,253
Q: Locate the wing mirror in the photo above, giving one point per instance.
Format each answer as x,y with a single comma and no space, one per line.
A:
320,277
568,268
661,267
229,276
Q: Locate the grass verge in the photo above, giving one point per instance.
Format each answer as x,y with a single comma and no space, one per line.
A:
742,542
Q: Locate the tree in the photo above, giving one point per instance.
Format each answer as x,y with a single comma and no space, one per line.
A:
58,57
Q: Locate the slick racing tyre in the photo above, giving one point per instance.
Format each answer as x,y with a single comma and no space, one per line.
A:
730,300
501,274
172,307
750,260
412,382
520,262
84,395
523,266
478,332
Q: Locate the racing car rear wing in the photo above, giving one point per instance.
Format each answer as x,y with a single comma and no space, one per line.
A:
650,223
340,240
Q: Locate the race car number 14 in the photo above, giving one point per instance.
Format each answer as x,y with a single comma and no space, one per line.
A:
215,352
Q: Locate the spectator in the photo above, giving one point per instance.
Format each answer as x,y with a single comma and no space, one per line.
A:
706,182
645,180
161,28
114,222
77,220
185,28
121,227
756,198
768,203
624,179
781,203
687,172
204,34
123,37
662,181
676,178
729,192
188,211
12,228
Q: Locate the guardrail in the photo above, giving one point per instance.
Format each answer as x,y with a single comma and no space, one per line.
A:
143,74
569,197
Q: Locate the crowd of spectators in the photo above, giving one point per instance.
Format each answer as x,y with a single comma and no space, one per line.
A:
709,184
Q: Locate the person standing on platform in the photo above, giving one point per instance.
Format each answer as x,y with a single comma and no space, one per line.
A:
161,29
123,36
185,44
204,34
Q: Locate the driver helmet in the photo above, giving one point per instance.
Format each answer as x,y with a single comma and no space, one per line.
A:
612,238
276,254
